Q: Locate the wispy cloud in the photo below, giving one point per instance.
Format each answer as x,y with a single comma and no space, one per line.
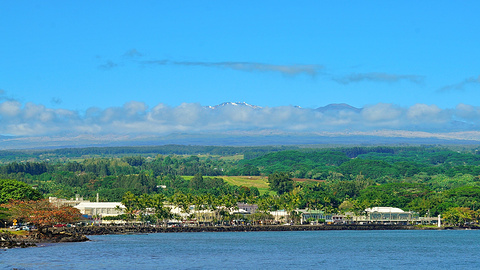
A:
461,85
56,101
133,53
378,77
108,65
4,95
311,70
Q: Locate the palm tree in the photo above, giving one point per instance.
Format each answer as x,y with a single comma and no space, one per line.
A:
198,205
161,212
144,203
130,202
212,203
182,201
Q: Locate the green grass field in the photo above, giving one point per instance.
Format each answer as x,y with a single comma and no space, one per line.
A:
259,182
232,158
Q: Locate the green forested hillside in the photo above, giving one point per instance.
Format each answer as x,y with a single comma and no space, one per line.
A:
425,179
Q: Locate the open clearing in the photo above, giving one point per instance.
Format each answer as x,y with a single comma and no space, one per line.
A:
259,182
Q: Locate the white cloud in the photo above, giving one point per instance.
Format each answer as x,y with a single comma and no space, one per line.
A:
381,112
10,108
136,118
468,112
422,113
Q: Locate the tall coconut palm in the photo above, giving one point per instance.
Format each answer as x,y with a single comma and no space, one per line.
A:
143,205
161,212
130,202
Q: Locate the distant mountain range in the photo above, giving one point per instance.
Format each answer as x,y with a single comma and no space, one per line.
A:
338,107
242,139
250,137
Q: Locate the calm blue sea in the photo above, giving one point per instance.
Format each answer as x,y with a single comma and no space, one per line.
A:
258,250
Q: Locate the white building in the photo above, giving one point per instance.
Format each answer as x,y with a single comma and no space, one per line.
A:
72,202
280,216
101,209
390,215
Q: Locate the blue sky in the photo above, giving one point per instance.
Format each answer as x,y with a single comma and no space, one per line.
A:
71,60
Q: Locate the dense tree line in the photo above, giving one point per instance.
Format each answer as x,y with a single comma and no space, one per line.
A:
33,168
429,180
121,151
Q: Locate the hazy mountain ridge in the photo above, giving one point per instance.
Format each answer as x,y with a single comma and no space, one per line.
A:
265,137
253,136
335,107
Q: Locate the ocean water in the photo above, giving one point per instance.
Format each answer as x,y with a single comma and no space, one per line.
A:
258,250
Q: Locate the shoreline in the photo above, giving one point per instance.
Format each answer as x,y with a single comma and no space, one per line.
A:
79,234
112,229
35,238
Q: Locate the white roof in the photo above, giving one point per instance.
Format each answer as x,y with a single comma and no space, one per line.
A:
279,213
239,211
99,205
384,210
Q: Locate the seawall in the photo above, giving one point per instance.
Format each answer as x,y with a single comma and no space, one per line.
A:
99,230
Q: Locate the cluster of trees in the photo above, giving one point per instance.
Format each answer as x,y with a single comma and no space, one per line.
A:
40,213
319,196
21,202
429,180
382,164
15,190
459,216
114,152
33,168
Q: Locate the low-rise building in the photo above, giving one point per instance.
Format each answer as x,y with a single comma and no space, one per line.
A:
389,215
101,209
248,208
61,202
280,216
314,216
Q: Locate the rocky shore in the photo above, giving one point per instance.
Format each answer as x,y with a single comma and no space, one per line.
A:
9,240
79,234
100,230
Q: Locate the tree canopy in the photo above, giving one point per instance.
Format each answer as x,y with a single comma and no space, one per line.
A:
426,179
280,182
16,190
42,213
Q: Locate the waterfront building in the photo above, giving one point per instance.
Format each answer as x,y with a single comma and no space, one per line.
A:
100,209
279,216
247,208
308,215
71,202
389,215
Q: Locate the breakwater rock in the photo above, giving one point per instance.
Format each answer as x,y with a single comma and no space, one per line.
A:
13,241
100,230
9,240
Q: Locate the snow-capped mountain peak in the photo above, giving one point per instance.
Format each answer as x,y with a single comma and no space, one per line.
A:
224,104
